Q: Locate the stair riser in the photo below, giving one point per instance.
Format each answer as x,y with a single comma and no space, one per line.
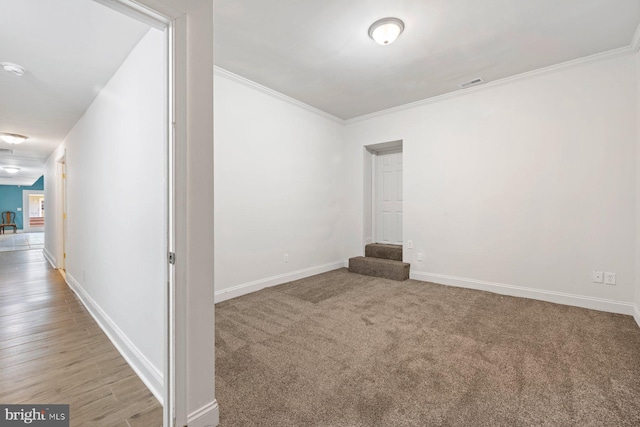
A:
383,252
361,265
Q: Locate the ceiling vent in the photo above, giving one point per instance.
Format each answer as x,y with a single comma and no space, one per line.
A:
6,177
6,150
473,82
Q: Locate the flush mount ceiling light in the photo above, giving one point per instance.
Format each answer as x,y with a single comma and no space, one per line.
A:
15,69
13,138
11,169
386,30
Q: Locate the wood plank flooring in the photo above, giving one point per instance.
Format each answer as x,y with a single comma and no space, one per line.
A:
52,351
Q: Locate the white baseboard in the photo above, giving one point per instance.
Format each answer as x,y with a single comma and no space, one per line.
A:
247,288
50,258
636,314
600,304
149,374
207,416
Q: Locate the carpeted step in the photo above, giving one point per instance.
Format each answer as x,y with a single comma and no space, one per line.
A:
378,267
384,251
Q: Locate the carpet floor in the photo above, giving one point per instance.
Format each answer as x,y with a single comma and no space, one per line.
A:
341,349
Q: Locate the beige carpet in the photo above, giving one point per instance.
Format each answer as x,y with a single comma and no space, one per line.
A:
341,349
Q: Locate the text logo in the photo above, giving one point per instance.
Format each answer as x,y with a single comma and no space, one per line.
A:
34,415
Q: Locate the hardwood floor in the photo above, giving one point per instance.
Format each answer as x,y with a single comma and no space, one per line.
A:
52,351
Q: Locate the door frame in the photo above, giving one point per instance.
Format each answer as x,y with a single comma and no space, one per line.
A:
189,380
61,211
173,31
26,227
370,156
189,329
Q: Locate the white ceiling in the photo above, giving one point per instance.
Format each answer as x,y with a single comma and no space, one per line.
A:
319,52
70,48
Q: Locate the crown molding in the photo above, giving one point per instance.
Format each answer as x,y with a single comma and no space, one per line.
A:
610,54
614,53
221,72
635,42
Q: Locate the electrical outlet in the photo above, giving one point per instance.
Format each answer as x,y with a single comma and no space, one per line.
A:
409,244
609,278
597,276
419,256
286,257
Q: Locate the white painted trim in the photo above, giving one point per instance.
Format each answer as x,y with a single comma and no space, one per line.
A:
614,53
149,374
256,285
635,42
368,182
207,416
178,344
25,211
60,227
138,12
221,72
636,314
600,304
50,258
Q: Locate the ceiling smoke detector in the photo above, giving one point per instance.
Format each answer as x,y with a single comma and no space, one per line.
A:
14,69
386,30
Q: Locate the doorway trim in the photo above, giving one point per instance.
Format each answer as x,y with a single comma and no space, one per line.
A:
26,225
61,211
189,382
171,22
370,155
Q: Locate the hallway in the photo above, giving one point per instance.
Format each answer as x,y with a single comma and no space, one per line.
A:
52,351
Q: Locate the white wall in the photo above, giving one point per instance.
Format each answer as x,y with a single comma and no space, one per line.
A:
278,189
116,207
527,184
637,252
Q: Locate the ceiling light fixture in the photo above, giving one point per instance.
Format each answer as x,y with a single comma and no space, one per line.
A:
386,30
13,138
11,169
12,68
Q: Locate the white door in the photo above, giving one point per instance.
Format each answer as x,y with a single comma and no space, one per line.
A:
388,197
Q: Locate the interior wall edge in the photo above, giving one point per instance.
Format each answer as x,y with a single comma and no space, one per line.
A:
150,375
256,285
635,42
221,72
600,304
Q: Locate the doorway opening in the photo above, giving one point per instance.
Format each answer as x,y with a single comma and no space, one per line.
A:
383,188
33,209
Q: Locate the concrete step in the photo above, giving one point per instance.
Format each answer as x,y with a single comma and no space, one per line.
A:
378,267
384,251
